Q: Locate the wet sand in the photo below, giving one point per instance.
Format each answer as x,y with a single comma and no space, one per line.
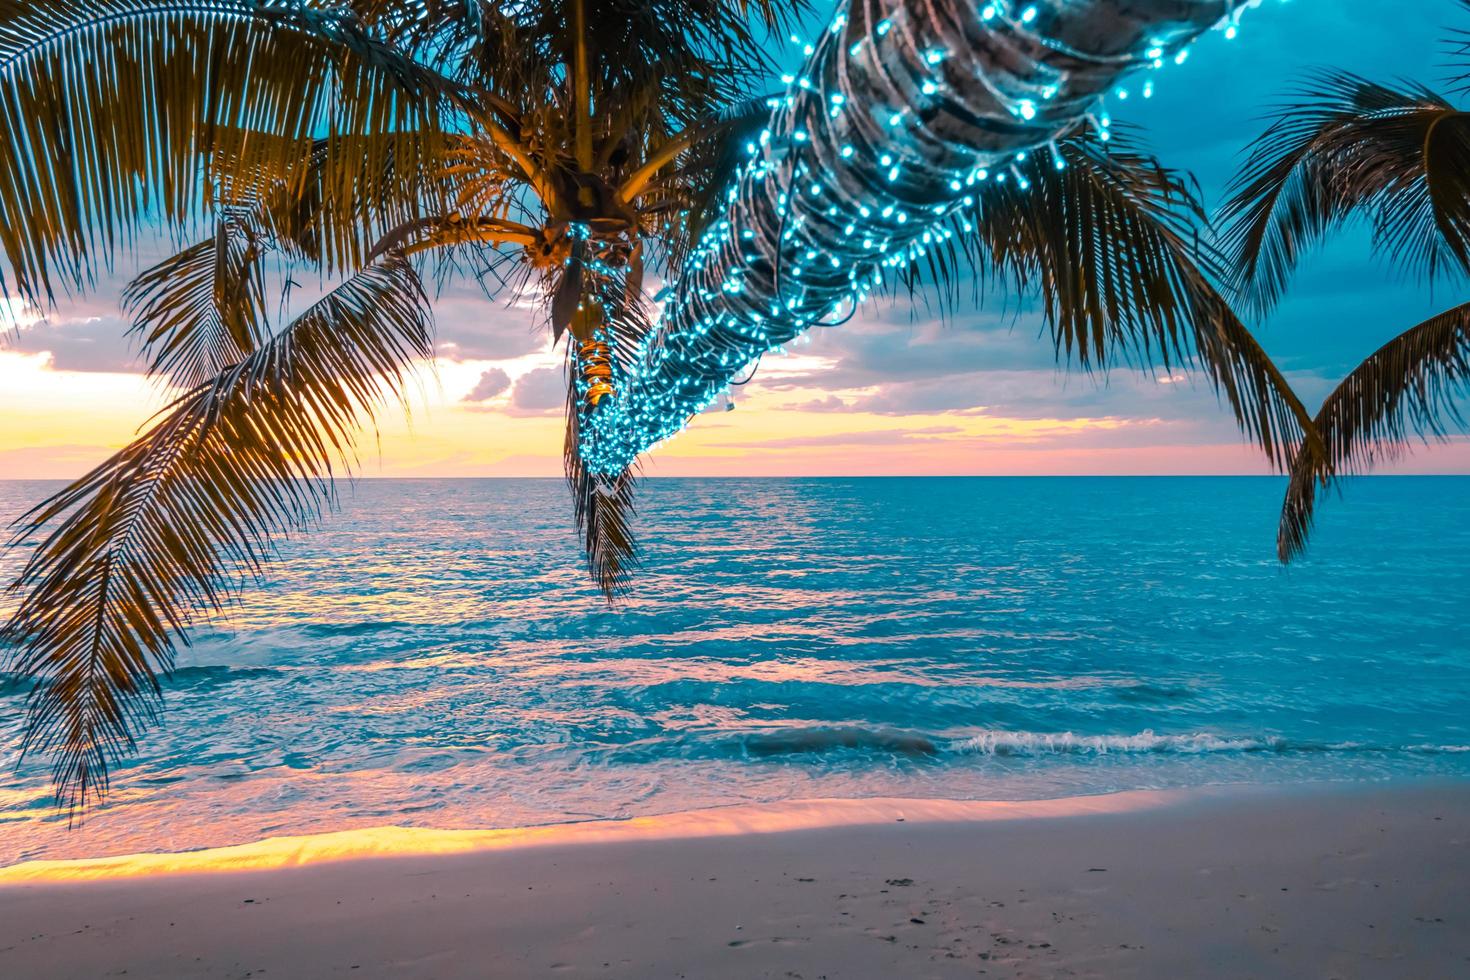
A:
1366,881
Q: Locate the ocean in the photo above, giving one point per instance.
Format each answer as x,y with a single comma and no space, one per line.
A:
435,657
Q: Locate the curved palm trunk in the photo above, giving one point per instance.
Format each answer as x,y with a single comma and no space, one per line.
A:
905,107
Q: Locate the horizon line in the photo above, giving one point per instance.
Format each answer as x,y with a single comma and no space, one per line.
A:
359,478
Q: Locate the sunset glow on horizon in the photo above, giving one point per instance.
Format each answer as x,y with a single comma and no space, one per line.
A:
823,411
63,422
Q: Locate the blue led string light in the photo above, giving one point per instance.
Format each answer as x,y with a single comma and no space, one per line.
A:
902,113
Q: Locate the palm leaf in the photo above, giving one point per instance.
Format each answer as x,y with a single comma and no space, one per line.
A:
200,311
1399,155
134,95
1406,391
602,504
1457,50
329,201
603,507
128,556
706,173
1111,242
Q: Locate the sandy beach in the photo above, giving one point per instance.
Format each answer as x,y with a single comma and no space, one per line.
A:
1285,882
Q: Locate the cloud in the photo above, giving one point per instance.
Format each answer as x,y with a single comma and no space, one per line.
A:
984,363
829,404
88,333
871,351
1050,394
881,437
981,362
468,326
539,392
491,383
94,343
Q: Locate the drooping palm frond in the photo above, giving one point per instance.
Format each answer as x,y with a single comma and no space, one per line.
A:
603,507
329,201
200,311
1399,155
1409,389
706,169
612,309
129,555
135,95
1112,243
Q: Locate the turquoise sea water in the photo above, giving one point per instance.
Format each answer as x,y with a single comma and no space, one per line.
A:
433,657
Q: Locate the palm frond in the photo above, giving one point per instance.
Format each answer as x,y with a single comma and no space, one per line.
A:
667,46
1398,155
611,309
604,509
708,171
1407,391
1457,49
441,233
111,110
1112,243
329,201
127,557
200,311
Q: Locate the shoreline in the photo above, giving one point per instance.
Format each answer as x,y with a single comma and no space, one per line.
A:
736,819
1295,880
732,820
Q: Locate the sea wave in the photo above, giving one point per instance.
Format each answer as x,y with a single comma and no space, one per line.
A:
212,675
1004,743
825,739
1068,743
792,741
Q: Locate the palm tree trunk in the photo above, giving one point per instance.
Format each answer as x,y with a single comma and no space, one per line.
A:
904,109
581,101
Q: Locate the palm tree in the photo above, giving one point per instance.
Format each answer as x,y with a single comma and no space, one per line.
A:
563,146
557,146
1398,155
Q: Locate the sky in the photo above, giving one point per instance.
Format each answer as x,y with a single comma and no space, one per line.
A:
897,391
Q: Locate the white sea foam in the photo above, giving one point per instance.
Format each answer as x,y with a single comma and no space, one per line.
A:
1003,743
1068,743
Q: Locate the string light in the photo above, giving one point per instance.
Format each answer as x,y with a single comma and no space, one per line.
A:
881,142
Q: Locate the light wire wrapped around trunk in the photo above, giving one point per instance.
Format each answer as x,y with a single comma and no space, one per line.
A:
904,110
